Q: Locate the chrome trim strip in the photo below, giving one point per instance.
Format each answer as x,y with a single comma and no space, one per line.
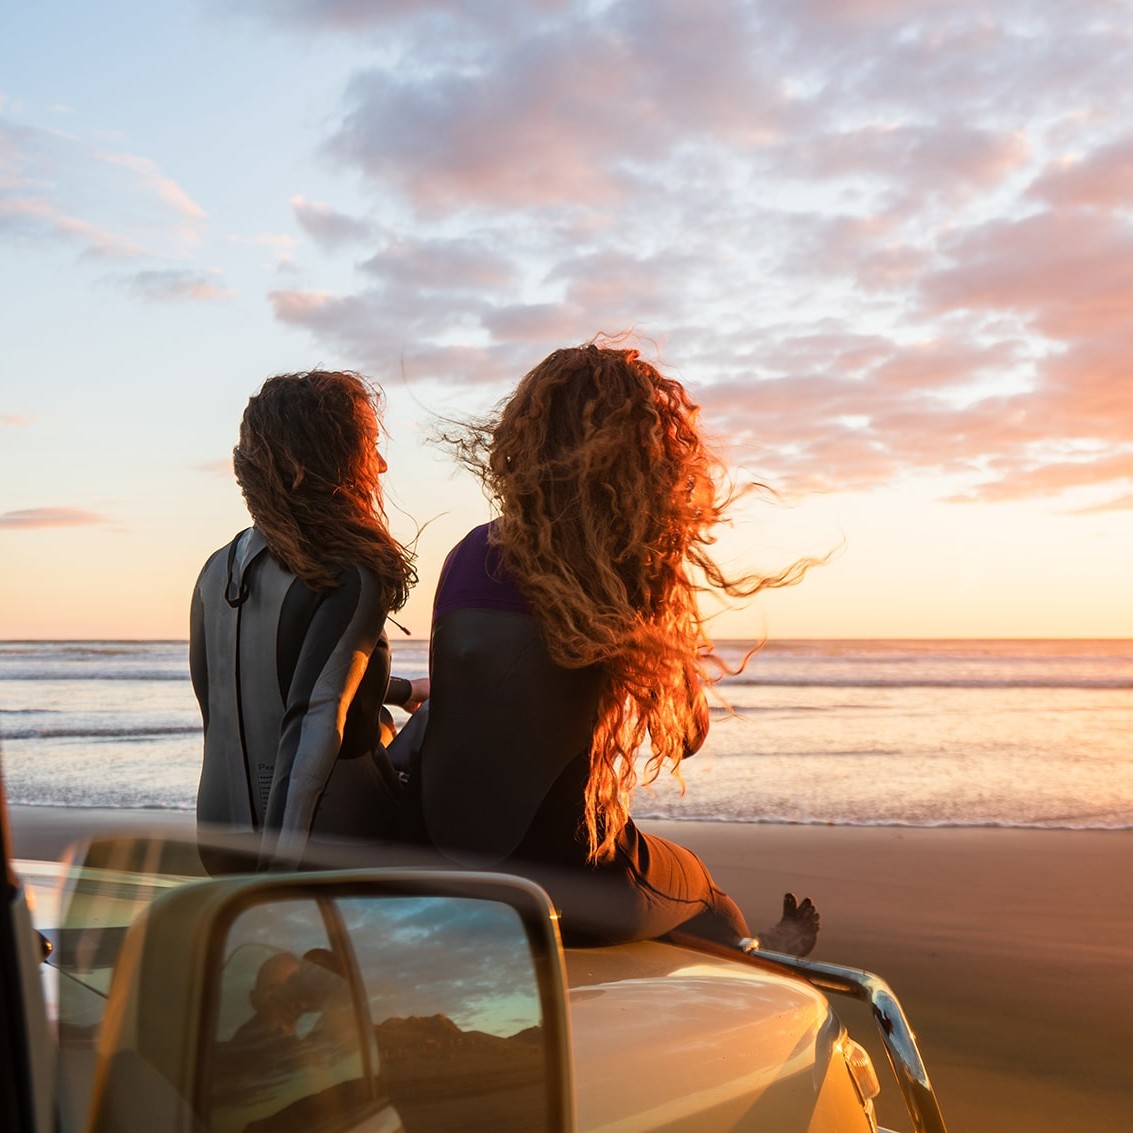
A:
896,1033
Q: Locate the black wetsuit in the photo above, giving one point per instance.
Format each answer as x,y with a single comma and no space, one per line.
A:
504,763
290,683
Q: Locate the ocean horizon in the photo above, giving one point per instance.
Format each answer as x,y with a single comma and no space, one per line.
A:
1023,732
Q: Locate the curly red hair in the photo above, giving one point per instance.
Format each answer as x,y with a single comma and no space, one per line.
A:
608,497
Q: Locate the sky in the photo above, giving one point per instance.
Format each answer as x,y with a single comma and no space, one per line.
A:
887,246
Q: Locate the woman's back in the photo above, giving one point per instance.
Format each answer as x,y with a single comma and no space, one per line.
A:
289,659
507,726
291,682
568,640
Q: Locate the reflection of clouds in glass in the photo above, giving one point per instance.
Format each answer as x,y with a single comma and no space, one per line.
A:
466,959
296,925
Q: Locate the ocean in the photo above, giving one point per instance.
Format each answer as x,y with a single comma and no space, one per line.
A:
885,733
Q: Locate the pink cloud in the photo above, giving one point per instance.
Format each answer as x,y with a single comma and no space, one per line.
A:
1070,273
615,287
934,157
1052,478
447,264
945,364
299,306
853,222
164,188
352,17
218,467
923,410
55,184
533,321
327,226
174,286
371,331
1118,503
50,517
560,114
395,340
1101,179
32,217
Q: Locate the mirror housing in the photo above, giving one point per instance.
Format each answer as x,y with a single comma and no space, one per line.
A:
165,1041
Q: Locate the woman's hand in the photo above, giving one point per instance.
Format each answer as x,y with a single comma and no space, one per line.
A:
419,695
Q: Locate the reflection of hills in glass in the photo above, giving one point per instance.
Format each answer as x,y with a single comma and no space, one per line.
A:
442,1078
437,1077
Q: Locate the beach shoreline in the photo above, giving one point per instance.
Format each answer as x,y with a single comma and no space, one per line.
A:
1011,949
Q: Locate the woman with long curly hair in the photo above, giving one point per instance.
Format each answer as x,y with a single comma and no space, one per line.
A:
288,652
567,638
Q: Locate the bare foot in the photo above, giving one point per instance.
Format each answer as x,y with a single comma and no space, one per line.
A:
797,932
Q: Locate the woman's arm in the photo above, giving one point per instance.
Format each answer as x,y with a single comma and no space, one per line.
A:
406,693
343,638
198,655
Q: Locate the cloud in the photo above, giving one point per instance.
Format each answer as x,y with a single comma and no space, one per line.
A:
15,420
1068,272
419,292
883,241
387,336
522,322
221,467
150,176
51,517
351,17
912,164
1120,503
561,114
280,244
441,264
1102,179
33,218
1050,478
328,227
175,286
56,186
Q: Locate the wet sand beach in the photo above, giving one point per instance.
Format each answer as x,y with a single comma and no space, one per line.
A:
1011,950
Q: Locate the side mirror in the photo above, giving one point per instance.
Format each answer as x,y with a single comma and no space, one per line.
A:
328,1002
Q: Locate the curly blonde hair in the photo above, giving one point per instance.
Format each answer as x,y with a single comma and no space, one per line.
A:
308,465
607,499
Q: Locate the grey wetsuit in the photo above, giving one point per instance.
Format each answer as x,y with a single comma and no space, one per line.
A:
290,683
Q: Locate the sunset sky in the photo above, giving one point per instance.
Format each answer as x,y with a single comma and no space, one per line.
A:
888,246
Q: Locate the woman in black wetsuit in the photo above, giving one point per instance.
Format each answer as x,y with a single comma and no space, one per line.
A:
566,635
288,652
